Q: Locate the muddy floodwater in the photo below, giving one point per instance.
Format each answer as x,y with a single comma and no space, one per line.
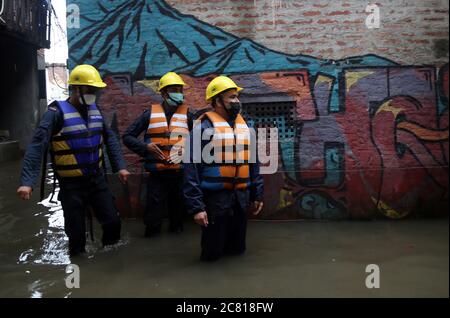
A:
284,259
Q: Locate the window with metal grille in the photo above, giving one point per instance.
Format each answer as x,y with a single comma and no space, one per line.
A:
280,115
268,115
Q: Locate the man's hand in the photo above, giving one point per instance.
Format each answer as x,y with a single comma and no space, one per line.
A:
201,218
257,207
123,175
176,155
155,151
25,192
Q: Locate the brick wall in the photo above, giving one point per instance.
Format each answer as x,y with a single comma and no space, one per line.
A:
412,31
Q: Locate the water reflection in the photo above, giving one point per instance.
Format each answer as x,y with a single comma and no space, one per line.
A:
54,248
37,288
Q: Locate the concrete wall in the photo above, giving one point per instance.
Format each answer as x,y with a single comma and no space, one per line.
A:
57,76
362,113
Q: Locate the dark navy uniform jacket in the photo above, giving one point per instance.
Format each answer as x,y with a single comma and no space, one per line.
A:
50,124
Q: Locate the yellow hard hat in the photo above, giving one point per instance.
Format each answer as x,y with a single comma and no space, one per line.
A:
169,79
86,75
219,85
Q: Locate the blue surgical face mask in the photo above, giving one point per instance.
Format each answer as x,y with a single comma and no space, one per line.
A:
175,99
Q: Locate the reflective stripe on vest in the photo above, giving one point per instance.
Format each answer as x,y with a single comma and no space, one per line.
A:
167,135
230,169
77,149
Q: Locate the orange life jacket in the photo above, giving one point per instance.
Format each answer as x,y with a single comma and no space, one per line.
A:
166,134
230,169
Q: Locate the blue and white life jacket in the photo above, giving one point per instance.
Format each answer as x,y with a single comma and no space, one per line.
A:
77,149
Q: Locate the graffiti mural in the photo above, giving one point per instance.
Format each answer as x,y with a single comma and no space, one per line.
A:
360,137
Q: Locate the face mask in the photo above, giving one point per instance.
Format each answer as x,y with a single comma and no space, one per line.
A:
233,109
87,99
175,99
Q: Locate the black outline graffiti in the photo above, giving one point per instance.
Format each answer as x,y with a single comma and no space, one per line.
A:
440,84
342,82
123,78
330,90
320,182
402,148
339,205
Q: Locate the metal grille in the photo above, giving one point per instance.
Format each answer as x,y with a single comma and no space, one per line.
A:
267,115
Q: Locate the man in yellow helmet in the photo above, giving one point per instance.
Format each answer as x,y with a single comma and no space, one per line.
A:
219,192
161,154
74,131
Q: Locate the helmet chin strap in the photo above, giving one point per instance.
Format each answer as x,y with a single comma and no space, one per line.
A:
82,98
